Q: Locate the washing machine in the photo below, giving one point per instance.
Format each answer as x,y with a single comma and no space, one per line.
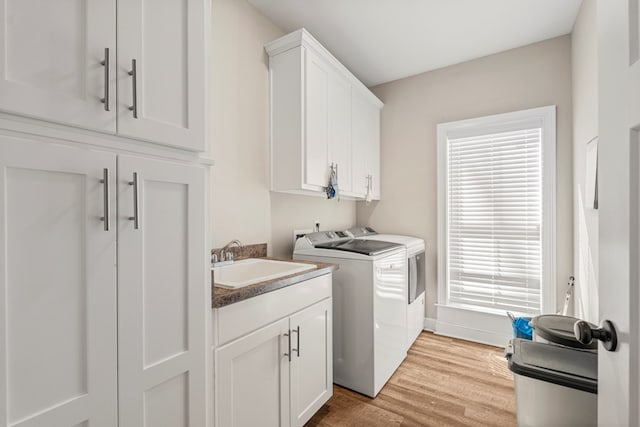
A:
369,306
416,295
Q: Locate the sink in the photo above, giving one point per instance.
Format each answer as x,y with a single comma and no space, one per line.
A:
254,270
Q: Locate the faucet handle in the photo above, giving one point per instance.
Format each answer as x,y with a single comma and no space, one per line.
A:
214,258
229,256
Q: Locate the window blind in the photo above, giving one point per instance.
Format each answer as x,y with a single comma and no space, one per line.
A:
495,221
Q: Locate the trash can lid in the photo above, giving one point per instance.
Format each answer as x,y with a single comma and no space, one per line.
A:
565,366
559,329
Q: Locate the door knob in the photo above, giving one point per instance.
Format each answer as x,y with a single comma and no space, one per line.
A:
585,334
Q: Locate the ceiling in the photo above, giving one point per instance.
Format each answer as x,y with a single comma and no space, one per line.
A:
385,40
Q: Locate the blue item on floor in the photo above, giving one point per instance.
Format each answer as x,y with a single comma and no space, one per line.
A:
521,327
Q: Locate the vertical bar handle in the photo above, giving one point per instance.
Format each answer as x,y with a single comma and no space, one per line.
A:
107,69
106,200
288,354
297,349
136,201
134,85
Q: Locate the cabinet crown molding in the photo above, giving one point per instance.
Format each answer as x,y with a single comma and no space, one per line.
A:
303,38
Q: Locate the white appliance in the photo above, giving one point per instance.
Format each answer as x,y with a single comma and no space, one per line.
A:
369,306
415,275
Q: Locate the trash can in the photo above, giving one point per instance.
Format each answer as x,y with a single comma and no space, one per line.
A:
555,385
558,329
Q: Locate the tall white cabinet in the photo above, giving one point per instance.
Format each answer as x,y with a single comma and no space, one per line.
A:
67,341
104,294
137,72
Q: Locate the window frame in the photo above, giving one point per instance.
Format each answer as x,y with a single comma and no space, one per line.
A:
546,118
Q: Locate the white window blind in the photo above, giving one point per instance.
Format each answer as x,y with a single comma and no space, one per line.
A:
494,224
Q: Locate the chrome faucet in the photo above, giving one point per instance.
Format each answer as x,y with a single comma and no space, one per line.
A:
225,256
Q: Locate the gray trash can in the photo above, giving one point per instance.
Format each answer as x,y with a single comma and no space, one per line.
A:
558,329
555,385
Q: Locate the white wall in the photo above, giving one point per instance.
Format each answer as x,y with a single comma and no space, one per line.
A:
241,204
527,77
584,55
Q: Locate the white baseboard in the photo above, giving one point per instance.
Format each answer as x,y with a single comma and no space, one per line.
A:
430,324
482,327
469,334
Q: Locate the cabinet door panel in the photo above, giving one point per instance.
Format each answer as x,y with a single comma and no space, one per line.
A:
57,286
312,364
315,156
50,60
161,294
252,379
366,147
166,38
339,122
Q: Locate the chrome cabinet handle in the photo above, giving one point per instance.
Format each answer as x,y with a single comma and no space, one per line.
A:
288,353
136,201
134,84
297,349
106,200
107,68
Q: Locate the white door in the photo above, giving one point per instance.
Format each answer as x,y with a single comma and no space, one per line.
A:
619,195
57,286
252,379
316,131
51,59
339,130
312,361
366,147
166,92
161,294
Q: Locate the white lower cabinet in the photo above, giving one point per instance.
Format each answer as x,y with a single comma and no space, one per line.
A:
95,333
281,373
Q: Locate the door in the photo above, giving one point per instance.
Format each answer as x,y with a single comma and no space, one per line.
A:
58,362
161,294
254,373
366,148
619,195
316,130
312,361
339,130
162,98
52,61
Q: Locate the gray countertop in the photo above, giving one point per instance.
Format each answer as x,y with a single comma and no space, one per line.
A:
223,296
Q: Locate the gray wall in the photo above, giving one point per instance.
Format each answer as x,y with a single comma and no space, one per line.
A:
241,204
584,55
527,77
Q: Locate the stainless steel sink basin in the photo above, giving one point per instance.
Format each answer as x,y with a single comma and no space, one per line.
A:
254,270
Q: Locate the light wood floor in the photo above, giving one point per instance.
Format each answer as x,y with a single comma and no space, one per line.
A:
442,382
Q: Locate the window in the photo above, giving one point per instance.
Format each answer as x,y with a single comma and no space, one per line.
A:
496,223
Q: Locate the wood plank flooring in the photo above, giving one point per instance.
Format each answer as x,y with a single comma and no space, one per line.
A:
442,382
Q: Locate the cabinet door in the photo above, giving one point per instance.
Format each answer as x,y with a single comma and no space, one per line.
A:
50,60
339,129
166,39
312,362
366,147
57,286
161,294
316,131
252,379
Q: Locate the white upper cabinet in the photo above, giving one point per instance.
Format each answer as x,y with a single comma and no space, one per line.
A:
311,120
57,61
162,97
